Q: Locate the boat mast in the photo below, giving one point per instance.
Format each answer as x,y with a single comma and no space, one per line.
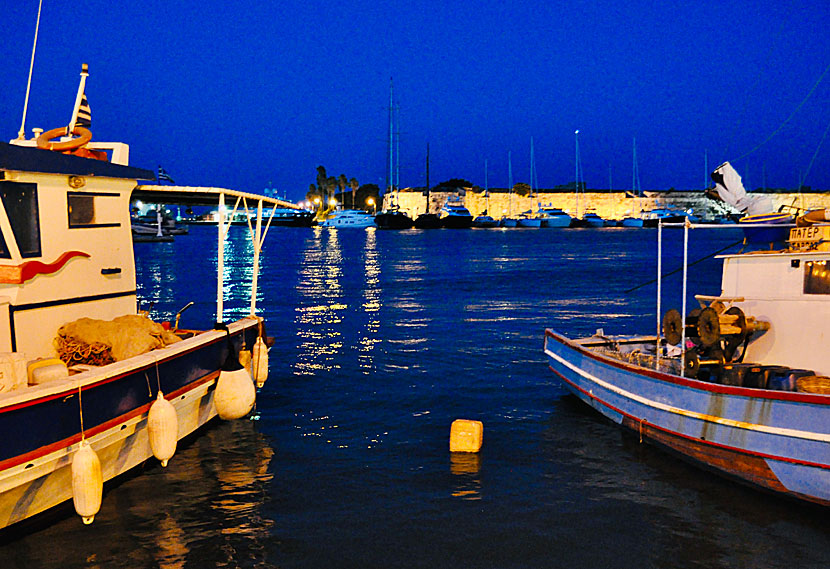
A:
635,171
390,181
532,173
486,189
576,170
510,181
397,135
21,135
705,168
427,192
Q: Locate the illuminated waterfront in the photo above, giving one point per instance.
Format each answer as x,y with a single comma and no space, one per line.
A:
382,339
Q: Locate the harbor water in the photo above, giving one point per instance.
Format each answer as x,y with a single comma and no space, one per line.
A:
382,339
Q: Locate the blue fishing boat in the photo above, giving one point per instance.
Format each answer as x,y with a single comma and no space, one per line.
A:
739,385
90,386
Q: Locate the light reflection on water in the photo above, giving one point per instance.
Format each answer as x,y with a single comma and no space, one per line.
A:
384,338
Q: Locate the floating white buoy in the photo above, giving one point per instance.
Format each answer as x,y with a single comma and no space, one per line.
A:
260,362
235,392
87,482
245,359
163,428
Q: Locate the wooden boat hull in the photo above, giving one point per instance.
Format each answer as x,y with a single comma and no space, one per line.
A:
775,440
42,423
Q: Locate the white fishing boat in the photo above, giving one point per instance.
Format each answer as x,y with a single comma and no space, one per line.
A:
90,387
348,219
740,385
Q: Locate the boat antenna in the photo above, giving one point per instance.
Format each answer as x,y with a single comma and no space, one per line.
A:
21,135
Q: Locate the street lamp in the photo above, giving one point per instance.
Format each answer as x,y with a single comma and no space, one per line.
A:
371,202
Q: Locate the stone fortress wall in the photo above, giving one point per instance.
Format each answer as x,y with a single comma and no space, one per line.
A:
608,205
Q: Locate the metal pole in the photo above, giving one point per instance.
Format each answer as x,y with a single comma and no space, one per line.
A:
659,284
78,97
21,135
220,270
257,249
576,170
683,303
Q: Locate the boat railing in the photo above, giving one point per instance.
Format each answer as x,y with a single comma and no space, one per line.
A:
686,225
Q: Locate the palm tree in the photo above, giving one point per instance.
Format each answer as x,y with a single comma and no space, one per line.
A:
354,186
331,186
341,183
321,181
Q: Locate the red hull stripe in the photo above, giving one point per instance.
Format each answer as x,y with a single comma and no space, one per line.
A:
686,382
72,391
687,437
45,450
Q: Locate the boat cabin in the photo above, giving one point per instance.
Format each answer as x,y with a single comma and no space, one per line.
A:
65,244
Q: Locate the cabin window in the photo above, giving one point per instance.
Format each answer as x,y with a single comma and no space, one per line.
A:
20,202
81,209
91,209
817,277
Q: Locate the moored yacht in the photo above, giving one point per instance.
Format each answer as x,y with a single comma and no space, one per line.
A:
393,218
553,217
485,220
455,216
348,219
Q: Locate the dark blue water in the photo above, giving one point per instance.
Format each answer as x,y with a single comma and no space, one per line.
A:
382,340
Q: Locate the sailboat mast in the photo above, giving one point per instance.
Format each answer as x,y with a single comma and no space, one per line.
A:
705,168
397,125
427,210
532,172
576,169
486,189
510,181
390,180
635,170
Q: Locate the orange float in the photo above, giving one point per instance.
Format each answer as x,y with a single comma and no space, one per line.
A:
45,140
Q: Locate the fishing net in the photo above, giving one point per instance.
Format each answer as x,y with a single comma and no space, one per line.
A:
99,342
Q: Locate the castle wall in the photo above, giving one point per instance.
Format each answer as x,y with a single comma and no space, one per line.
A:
608,205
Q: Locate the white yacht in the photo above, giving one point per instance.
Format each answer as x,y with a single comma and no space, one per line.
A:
349,219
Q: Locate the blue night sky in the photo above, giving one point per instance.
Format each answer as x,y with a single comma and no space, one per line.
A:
225,95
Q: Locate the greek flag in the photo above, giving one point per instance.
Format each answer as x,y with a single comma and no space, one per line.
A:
84,117
163,175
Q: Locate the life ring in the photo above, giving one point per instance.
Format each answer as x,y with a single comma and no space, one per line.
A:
44,140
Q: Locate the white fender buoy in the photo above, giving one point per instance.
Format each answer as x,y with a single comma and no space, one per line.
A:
245,359
163,428
235,392
87,482
260,362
